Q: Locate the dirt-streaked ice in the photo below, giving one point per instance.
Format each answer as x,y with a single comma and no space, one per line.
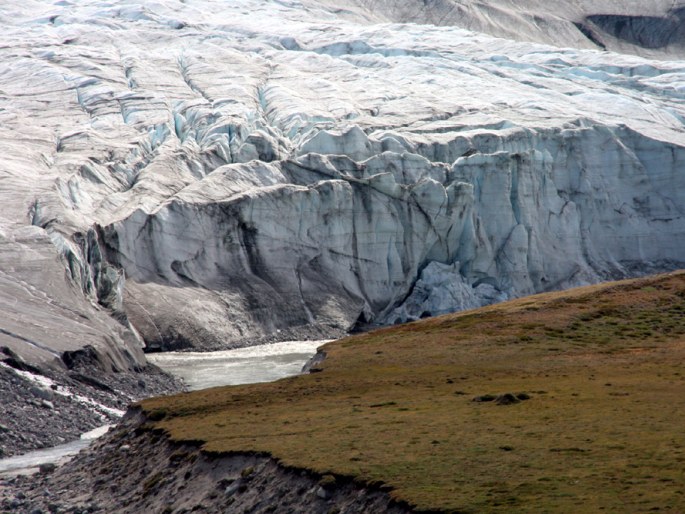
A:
214,172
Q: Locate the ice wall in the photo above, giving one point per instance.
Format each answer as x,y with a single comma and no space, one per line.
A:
215,174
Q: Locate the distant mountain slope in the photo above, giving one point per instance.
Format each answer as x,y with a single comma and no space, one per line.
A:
653,28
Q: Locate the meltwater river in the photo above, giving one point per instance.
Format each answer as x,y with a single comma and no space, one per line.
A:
264,363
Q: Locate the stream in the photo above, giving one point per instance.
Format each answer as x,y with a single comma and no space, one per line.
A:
264,363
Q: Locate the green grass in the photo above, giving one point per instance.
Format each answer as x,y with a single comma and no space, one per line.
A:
603,429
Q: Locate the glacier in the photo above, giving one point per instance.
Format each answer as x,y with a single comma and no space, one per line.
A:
213,174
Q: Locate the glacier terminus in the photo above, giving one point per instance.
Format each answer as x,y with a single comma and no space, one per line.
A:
210,174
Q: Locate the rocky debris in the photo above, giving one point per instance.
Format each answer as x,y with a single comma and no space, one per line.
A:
502,399
155,475
46,408
11,359
484,398
507,399
47,467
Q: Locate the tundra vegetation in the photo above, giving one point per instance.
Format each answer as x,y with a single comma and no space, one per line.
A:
551,403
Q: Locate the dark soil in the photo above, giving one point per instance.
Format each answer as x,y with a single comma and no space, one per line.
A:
134,470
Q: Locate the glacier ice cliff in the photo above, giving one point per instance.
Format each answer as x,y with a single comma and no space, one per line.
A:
212,174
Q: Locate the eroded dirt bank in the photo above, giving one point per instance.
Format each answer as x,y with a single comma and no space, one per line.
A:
133,470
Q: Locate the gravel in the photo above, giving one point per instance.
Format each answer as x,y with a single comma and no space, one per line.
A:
47,408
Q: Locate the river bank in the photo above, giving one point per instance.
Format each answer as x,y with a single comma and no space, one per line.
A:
133,470
197,370
43,409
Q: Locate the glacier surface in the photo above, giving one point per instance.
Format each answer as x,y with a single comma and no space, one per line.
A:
208,174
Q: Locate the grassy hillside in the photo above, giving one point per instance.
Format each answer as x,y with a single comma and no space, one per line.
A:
602,428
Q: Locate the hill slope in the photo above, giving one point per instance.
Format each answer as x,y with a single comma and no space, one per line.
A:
594,419
389,422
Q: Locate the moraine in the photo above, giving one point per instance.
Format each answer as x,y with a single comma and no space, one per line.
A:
263,363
